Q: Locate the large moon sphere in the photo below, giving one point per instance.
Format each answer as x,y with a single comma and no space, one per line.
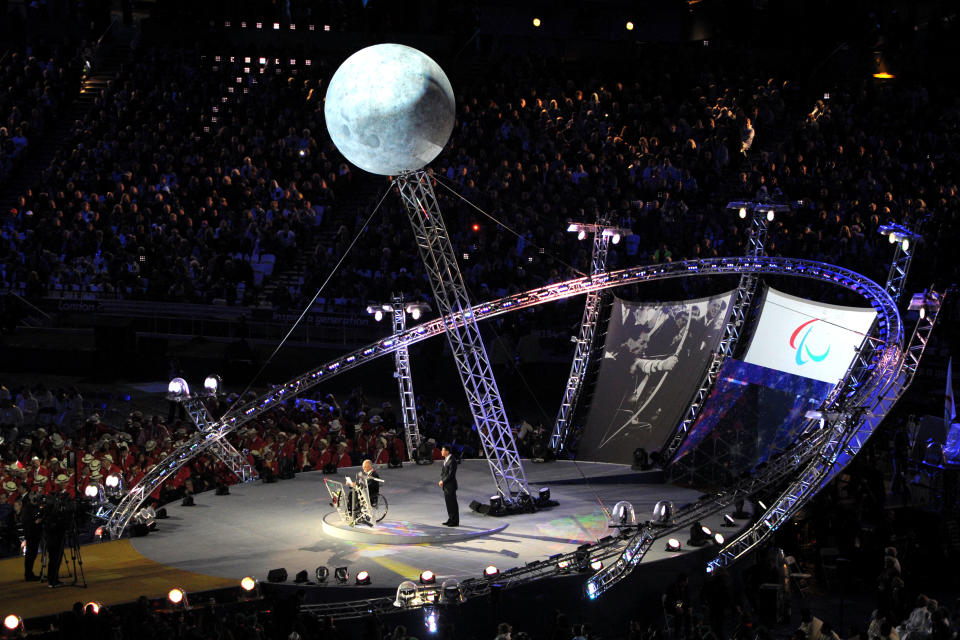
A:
389,109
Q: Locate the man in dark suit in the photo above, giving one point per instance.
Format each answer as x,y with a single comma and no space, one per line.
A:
448,482
32,532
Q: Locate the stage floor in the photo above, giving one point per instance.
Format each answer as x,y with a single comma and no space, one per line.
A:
260,527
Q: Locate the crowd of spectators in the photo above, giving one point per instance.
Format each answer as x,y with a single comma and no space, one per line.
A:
38,81
175,187
182,179
52,440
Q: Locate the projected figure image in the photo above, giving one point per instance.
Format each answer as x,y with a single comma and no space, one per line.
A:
654,356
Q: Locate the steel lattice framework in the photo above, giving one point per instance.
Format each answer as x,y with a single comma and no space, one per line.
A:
867,401
584,344
408,403
848,435
736,320
204,440
473,364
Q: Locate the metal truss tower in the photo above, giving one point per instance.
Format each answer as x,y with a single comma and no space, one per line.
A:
208,433
848,435
473,364
205,441
602,234
408,403
760,214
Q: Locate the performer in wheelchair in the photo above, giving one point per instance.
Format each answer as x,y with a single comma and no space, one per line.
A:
373,488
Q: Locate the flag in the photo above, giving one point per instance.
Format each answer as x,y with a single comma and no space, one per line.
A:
949,407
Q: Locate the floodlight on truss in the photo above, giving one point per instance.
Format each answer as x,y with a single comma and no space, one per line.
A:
927,303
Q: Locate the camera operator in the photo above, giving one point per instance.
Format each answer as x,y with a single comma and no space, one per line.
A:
31,516
58,515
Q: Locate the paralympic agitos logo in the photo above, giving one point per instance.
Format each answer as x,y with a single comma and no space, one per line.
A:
801,347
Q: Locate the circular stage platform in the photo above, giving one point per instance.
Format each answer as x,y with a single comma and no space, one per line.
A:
260,526
402,532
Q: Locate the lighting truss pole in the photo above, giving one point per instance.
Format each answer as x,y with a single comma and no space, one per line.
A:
398,309
603,235
473,364
761,213
906,241
221,448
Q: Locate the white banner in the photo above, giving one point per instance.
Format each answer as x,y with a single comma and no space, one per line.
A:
809,339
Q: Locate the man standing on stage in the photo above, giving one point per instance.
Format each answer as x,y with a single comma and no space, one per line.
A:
448,482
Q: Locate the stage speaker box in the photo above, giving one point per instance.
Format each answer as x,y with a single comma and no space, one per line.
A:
222,490
138,530
301,577
479,507
161,513
277,575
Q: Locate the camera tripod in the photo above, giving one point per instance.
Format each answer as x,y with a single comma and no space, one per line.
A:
72,566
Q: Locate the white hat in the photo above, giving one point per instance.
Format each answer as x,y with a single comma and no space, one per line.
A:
150,445
62,477
57,441
40,478
94,464
9,485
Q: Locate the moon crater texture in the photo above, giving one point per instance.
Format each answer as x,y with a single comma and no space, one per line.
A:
389,109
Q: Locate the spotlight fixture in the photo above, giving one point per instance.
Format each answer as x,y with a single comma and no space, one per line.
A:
743,213
211,384
623,514
91,491
248,584
496,504
718,538
177,596
925,303
12,622
591,589
428,577
363,577
770,215
563,565
543,495
178,388
322,573
536,22
341,575
673,545
629,26
93,607
728,520
663,513
378,315
406,594
762,506
699,535
581,234
491,572
596,564
113,481
450,592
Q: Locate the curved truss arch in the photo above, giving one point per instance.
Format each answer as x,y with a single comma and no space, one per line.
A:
888,332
